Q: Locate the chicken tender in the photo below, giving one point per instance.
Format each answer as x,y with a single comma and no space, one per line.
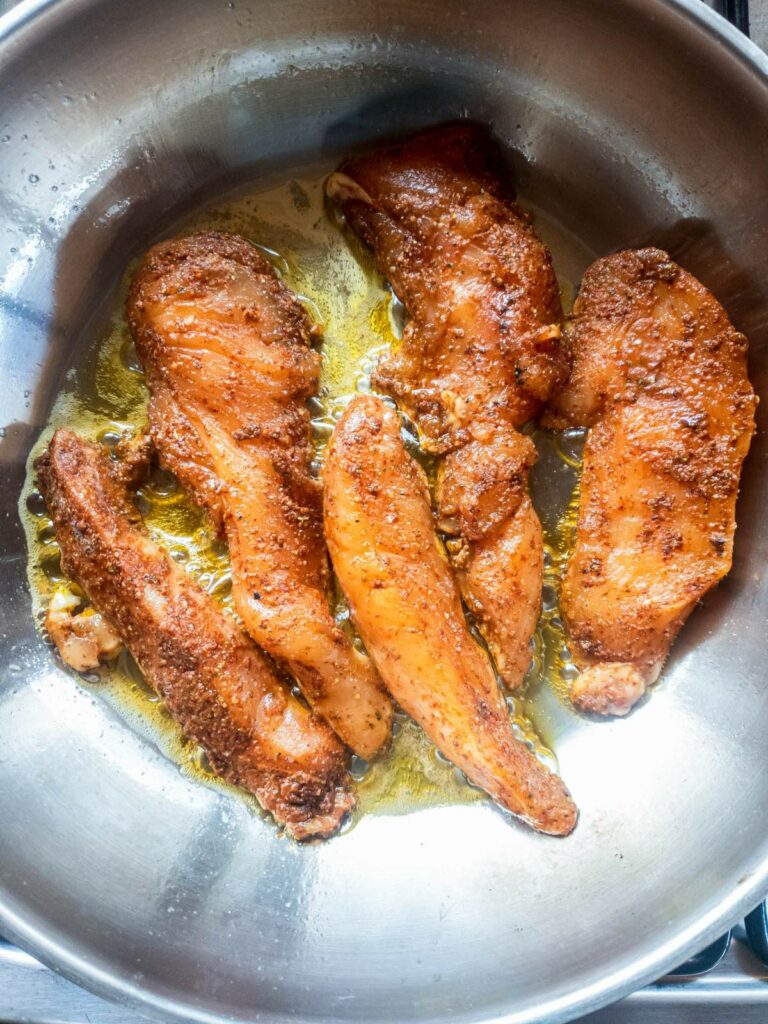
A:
227,351
217,685
660,377
405,604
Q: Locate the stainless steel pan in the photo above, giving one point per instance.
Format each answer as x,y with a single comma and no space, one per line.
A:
629,121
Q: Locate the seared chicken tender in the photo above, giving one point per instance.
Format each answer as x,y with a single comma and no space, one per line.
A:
227,351
660,378
479,356
404,602
217,685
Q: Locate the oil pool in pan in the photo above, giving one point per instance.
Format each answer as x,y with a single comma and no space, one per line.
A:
337,281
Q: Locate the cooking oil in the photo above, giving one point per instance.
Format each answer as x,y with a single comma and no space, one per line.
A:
106,399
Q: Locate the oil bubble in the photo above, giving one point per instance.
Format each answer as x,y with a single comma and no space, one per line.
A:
36,504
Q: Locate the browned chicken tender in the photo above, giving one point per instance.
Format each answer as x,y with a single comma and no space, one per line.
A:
217,685
405,604
479,356
660,378
227,351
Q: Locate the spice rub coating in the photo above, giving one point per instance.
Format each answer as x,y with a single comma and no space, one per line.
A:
218,686
659,375
227,349
404,602
479,357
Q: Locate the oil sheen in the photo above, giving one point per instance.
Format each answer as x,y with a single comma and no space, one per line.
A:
106,397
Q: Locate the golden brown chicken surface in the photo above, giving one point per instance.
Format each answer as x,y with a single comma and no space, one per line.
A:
660,377
479,356
405,604
227,351
214,681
